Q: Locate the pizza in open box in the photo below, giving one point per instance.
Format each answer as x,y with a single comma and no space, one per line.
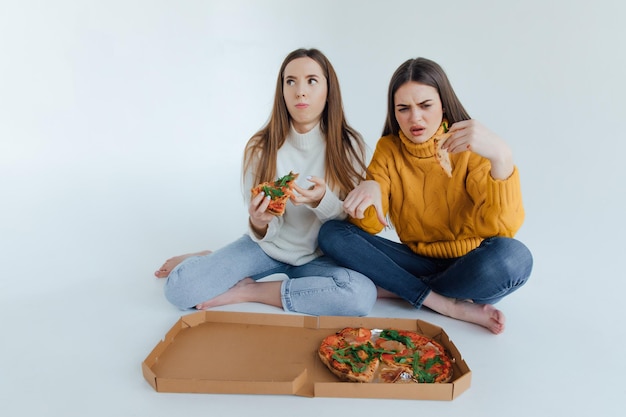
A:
388,355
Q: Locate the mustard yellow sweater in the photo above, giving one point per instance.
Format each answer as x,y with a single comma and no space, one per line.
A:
433,214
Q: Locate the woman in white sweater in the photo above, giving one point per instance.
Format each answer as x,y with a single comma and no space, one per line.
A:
307,133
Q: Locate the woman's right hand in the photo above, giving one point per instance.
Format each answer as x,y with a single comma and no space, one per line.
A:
366,194
259,216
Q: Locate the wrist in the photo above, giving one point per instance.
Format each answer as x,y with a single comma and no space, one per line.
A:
502,166
259,231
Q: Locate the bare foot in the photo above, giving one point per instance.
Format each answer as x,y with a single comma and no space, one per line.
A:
247,290
171,263
232,296
484,315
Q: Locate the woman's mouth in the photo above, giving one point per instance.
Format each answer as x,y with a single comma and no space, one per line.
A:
302,106
417,130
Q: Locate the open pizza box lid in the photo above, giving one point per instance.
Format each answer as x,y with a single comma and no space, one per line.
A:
257,353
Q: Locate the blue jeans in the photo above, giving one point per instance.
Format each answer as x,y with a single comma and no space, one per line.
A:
485,275
320,287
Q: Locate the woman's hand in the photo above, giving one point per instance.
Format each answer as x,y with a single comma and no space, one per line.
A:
312,195
366,194
259,216
470,135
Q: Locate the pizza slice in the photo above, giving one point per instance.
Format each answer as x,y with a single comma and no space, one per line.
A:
414,356
441,155
279,192
350,355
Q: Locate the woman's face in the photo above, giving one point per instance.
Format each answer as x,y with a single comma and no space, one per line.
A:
305,91
418,111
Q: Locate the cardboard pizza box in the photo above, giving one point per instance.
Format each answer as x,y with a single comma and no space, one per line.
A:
224,352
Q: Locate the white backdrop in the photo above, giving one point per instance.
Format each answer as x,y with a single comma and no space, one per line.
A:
122,125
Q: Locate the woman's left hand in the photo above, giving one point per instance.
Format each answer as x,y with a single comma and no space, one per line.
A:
312,195
470,135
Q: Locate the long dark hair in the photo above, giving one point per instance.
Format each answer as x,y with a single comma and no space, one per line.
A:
344,145
427,72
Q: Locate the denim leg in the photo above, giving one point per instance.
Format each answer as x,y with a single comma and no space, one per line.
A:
390,265
485,275
200,278
321,287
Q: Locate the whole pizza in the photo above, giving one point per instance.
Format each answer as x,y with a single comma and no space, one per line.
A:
385,355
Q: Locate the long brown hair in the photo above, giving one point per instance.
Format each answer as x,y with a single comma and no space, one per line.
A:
344,145
427,72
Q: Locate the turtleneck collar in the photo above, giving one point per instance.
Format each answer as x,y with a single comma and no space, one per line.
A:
308,140
424,149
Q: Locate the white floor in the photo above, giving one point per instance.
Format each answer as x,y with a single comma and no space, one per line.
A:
76,349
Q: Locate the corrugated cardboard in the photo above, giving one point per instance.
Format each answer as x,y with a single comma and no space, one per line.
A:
257,353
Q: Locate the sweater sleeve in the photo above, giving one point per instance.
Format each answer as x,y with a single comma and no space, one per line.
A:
330,207
272,231
378,171
499,210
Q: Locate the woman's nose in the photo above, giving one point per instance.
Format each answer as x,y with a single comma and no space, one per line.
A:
416,115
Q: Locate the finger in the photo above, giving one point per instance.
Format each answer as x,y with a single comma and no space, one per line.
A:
348,209
298,200
265,204
302,194
257,200
296,191
461,146
350,204
258,206
359,210
317,181
380,215
347,202
458,126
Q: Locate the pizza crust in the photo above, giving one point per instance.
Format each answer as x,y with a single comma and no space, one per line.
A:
441,155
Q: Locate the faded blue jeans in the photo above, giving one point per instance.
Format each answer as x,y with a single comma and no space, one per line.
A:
320,287
485,275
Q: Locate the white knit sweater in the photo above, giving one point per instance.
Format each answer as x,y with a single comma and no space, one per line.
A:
292,238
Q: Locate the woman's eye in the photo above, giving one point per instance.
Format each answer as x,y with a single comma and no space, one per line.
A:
312,81
290,82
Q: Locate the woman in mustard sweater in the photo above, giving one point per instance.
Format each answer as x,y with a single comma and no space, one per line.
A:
457,254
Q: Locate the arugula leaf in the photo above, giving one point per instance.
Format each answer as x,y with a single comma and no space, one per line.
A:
282,181
430,362
273,193
350,355
394,335
423,376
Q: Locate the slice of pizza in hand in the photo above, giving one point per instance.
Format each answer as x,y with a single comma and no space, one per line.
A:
278,191
441,155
